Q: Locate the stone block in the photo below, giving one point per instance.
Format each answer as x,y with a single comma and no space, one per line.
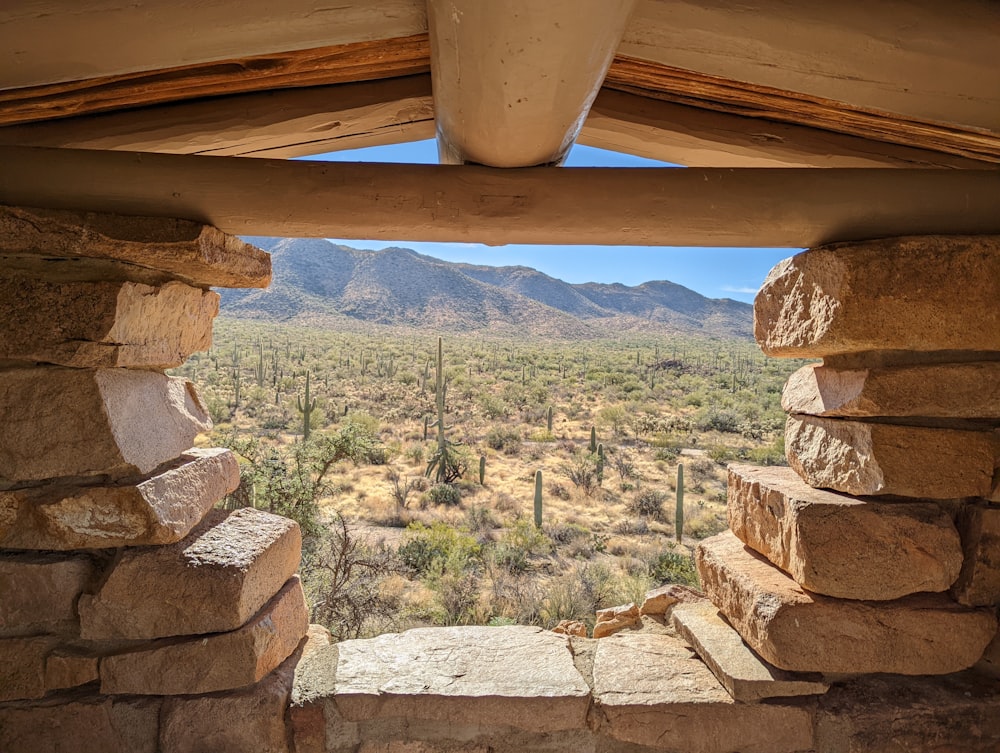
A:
188,251
950,390
159,509
22,666
928,293
746,676
650,690
978,584
221,661
515,676
571,627
118,423
80,722
611,621
104,324
892,714
248,720
211,581
842,546
39,591
793,629
660,600
70,668
874,458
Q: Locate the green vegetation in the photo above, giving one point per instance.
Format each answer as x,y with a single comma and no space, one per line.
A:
397,534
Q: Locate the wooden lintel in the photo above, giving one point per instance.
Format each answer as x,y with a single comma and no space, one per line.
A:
615,206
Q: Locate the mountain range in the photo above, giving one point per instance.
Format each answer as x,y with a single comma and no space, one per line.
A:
317,282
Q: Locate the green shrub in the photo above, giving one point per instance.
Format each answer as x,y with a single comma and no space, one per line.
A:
525,536
437,549
673,567
505,439
444,494
648,503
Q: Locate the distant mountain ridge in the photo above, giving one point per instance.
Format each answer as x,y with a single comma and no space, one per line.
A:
319,282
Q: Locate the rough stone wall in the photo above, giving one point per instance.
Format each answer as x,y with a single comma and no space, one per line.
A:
133,617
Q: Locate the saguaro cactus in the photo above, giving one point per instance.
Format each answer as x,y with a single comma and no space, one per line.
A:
538,499
679,512
593,439
548,420
306,409
599,465
443,464
482,470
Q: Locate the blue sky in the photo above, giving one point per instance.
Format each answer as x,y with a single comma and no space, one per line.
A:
713,272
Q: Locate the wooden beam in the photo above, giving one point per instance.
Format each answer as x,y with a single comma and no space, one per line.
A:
360,61
922,60
698,137
299,122
52,41
513,81
702,90
281,124
615,206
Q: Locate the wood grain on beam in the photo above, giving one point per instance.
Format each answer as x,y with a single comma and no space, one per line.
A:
282,124
616,206
299,122
698,137
359,61
705,91
513,81
924,60
49,41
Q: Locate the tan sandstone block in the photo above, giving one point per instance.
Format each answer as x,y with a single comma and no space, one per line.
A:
38,592
660,600
746,676
959,390
804,632
211,581
979,582
517,676
76,422
221,661
80,722
160,509
188,251
842,546
921,293
909,461
650,690
247,720
610,621
104,324
571,627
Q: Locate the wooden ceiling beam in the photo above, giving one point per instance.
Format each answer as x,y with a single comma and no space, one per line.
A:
700,137
701,90
53,41
281,124
298,122
513,81
791,208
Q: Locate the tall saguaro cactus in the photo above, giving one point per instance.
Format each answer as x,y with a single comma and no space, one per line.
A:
306,409
538,499
444,463
679,512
